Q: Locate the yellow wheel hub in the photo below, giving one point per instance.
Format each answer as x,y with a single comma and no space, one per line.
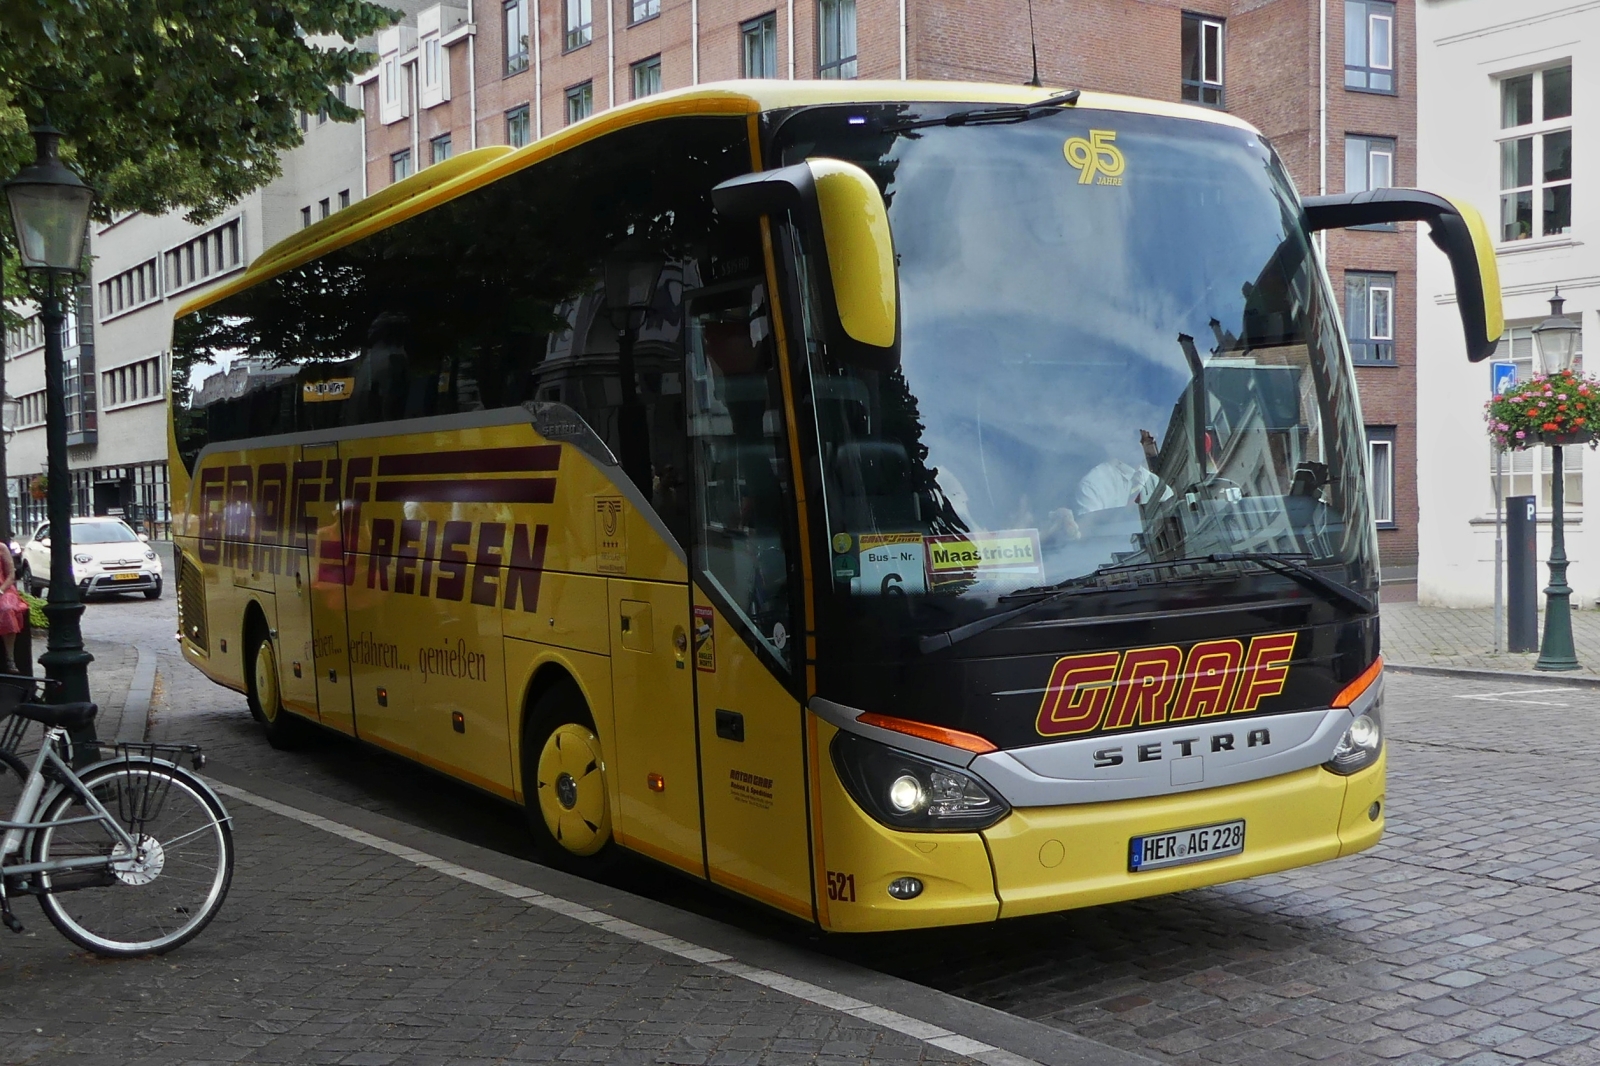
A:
572,790
267,682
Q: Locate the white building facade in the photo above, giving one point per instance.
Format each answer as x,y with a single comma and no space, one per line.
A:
1507,109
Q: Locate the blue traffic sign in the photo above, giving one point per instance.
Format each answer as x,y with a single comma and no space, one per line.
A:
1502,376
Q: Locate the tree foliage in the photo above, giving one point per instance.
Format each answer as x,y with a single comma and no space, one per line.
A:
175,103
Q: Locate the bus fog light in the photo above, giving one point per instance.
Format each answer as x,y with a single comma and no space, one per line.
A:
905,888
906,794
1360,745
1374,810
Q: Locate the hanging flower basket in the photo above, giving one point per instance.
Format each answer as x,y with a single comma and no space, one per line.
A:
1558,409
38,486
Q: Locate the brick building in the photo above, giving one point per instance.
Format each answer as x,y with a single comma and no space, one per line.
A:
1331,82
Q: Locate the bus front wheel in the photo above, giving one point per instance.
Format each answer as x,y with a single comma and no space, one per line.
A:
284,730
564,782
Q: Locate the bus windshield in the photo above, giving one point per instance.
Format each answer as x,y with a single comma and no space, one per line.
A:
1118,350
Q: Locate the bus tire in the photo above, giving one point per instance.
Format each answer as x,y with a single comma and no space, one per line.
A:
284,729
564,783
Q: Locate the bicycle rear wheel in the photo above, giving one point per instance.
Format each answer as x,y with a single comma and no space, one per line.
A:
156,897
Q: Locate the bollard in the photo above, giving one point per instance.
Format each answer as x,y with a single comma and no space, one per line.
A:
1522,574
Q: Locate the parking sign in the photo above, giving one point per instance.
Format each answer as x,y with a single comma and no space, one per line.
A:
1502,376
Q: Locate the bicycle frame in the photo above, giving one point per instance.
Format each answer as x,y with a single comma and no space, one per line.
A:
21,824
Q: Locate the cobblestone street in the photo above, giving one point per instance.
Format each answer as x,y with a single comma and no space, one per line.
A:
1470,935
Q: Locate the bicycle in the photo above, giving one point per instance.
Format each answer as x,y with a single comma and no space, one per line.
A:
132,855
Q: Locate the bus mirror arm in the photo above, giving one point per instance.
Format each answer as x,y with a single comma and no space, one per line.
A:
839,209
1456,228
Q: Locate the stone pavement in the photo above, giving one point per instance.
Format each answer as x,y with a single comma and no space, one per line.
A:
1471,934
1464,640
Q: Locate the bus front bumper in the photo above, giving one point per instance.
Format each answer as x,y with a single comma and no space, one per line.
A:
1042,859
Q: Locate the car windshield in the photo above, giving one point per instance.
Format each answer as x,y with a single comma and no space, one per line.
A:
101,533
1116,348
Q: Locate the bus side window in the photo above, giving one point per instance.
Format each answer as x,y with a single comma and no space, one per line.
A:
741,467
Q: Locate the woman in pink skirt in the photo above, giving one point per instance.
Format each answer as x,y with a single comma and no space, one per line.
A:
13,611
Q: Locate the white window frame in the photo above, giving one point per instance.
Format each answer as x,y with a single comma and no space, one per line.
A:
1382,504
1386,331
1536,131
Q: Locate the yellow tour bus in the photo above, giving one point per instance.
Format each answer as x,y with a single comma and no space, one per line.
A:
903,504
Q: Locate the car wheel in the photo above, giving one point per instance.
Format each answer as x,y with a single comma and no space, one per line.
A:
26,582
155,593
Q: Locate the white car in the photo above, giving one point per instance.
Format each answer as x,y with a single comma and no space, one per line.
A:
107,556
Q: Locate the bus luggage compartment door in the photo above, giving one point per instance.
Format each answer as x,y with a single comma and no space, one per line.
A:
297,665
653,700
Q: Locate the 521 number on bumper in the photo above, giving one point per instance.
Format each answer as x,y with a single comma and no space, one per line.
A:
1158,851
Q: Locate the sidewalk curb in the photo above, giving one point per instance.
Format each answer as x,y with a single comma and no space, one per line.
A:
1010,1037
141,690
1494,675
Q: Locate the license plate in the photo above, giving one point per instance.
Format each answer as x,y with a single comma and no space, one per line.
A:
126,577
1158,851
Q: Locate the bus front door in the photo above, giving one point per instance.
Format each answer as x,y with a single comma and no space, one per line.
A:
752,739
323,562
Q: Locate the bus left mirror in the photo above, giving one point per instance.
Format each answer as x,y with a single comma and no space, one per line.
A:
1457,229
839,207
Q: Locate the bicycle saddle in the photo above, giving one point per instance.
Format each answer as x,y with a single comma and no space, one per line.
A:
65,715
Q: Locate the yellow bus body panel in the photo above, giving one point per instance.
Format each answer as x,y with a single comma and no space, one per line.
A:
755,788
857,858
1292,820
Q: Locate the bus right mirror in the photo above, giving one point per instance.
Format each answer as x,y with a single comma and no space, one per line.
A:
840,208
1455,227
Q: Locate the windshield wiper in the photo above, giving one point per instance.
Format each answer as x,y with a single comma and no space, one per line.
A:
1288,565
984,116
1291,566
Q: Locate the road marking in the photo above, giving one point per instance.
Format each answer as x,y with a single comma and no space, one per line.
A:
915,1028
1501,697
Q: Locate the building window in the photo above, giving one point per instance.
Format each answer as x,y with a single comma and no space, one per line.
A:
1369,45
439,149
836,38
1369,317
580,23
305,217
216,251
580,102
646,77
324,208
131,289
639,10
516,20
391,83
24,338
1536,154
517,127
344,199
1380,472
431,62
1369,164
1202,60
1528,471
759,47
400,165
133,383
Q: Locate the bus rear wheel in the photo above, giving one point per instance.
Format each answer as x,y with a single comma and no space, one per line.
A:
284,730
564,782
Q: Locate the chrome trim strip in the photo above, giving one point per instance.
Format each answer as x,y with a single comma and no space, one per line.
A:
1152,764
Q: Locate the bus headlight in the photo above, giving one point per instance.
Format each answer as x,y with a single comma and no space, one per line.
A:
907,791
1361,743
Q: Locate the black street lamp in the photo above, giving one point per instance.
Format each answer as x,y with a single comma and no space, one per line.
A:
50,213
1557,340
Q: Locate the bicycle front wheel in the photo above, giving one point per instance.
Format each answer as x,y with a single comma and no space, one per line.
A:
151,898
